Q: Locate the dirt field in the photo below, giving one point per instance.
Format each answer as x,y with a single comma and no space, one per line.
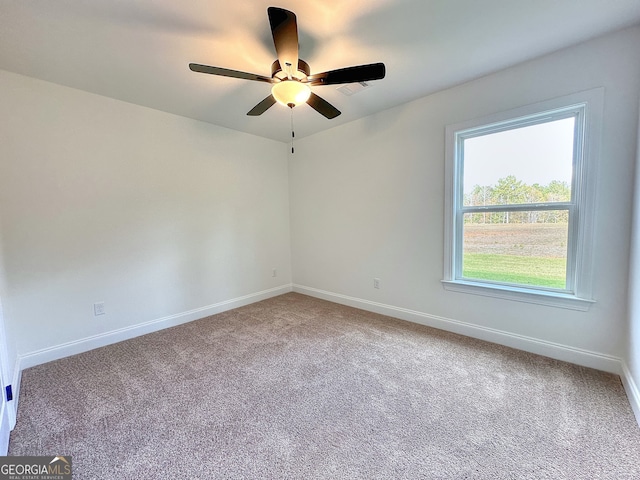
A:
529,239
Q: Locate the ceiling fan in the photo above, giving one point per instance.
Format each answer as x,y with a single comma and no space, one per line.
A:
291,76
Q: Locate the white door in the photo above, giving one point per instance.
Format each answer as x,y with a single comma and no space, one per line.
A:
5,417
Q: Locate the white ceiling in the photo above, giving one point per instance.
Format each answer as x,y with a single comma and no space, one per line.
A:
139,50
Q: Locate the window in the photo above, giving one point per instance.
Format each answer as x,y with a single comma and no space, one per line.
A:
519,202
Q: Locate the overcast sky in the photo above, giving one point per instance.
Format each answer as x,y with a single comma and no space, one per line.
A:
535,154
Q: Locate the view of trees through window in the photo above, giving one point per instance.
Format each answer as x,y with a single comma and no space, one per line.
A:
531,165
510,190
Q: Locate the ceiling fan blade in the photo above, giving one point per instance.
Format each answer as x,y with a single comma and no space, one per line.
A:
262,107
225,72
360,73
284,29
323,107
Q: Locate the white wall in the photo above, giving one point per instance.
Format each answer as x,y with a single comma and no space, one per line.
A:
367,201
152,213
633,346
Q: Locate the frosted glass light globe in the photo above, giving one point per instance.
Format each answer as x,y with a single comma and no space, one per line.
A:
291,92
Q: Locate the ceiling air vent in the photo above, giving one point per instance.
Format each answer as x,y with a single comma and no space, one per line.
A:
353,88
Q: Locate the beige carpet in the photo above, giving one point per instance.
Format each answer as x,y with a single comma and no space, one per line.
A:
295,387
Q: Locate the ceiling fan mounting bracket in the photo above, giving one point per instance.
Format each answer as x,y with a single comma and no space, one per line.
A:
303,70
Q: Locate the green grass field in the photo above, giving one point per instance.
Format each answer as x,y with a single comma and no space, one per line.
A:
540,271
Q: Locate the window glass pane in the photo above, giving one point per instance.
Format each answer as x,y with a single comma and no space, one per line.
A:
530,164
525,248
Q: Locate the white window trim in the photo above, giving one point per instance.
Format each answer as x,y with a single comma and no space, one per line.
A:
579,297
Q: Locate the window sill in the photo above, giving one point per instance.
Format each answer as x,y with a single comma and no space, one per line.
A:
519,294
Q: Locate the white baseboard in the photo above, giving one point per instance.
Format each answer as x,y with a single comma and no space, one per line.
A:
557,351
631,388
89,343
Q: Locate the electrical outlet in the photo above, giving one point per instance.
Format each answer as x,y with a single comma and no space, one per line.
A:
98,309
274,273
376,283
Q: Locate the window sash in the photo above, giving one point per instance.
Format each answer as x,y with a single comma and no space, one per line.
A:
576,111
570,280
517,207
572,237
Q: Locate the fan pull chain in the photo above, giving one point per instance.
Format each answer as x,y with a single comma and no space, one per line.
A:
293,134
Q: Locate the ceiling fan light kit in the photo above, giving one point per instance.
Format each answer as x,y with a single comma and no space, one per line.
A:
291,92
292,85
